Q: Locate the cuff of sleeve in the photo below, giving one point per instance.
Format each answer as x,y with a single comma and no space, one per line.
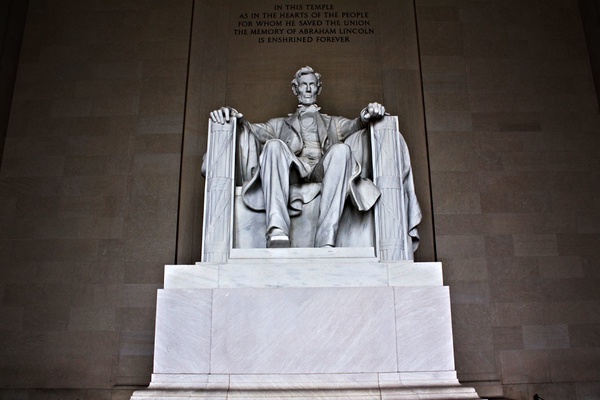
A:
235,113
363,117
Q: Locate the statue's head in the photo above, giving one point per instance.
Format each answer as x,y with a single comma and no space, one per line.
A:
307,85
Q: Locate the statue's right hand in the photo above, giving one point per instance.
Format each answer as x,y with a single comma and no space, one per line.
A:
224,115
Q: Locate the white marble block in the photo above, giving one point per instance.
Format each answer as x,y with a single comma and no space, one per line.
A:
303,331
183,328
424,329
327,327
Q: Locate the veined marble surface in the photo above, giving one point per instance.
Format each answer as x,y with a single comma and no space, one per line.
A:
424,329
183,323
328,272
303,254
367,386
304,330
328,328
306,381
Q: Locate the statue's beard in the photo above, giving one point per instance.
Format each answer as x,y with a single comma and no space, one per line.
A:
307,101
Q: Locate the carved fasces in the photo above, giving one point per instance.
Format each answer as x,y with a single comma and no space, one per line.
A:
219,190
391,215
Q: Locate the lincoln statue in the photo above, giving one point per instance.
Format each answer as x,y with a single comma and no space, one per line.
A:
305,146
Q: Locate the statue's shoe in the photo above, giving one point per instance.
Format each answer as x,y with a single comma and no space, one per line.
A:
277,238
278,241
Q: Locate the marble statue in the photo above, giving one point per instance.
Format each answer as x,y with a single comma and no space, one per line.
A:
305,322
306,146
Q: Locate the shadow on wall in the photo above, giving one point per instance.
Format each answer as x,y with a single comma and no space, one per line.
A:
12,24
590,17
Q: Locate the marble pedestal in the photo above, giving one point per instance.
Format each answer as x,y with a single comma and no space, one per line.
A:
304,323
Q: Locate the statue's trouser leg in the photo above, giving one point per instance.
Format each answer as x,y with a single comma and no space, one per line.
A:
275,161
337,166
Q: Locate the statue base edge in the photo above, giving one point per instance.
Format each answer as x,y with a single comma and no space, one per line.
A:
368,386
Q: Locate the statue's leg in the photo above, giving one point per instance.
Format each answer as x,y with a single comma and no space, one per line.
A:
335,171
275,161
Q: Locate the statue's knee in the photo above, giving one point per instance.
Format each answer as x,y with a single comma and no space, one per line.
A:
340,150
274,144
273,147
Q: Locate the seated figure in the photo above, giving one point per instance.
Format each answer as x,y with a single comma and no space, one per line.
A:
306,146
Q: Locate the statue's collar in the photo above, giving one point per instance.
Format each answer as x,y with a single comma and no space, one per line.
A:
312,108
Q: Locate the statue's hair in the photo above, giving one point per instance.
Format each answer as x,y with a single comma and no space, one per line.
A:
306,71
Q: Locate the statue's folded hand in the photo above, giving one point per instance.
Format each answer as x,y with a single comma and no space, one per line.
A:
372,111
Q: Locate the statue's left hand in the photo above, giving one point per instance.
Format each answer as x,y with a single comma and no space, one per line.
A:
372,111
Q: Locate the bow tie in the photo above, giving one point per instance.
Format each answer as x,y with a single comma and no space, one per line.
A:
312,108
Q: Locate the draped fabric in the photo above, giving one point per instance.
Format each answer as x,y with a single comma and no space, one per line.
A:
363,192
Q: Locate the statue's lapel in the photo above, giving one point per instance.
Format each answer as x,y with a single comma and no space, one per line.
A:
323,125
293,121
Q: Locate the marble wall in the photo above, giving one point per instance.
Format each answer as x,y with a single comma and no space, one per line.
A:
88,192
512,126
498,98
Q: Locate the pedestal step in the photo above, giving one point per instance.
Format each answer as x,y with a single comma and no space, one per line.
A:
307,386
324,328
440,393
319,271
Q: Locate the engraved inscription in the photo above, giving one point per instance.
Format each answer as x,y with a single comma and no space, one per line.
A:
304,23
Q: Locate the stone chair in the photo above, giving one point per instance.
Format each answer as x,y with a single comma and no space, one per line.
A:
389,228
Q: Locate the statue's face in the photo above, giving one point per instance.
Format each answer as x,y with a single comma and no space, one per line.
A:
307,89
